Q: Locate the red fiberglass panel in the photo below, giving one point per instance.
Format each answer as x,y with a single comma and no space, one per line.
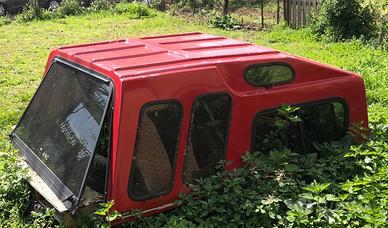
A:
184,87
198,46
97,48
180,38
124,56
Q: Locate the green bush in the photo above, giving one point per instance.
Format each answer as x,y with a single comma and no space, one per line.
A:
382,39
341,184
226,22
13,189
345,19
5,20
74,7
381,6
100,5
30,14
134,10
69,8
15,195
103,216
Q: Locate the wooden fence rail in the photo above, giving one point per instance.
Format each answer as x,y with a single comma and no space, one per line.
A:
297,12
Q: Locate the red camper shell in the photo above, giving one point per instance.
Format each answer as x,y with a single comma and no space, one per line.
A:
135,120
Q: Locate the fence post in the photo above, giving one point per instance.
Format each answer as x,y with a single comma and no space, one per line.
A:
284,10
304,13
35,6
307,12
293,2
163,5
300,13
297,12
226,7
194,7
278,12
262,14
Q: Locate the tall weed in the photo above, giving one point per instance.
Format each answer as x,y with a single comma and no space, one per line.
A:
134,10
101,5
69,8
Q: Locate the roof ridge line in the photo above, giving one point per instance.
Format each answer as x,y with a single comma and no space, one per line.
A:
170,35
194,59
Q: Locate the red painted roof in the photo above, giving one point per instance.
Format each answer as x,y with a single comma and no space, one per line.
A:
129,57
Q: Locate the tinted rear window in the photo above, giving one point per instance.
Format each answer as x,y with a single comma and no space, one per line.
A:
62,123
269,74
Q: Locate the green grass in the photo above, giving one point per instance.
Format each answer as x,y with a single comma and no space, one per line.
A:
25,47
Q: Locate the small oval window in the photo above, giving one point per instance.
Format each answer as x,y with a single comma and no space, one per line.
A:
269,74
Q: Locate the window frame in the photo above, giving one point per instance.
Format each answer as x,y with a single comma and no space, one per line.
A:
268,85
109,155
136,150
35,162
301,105
184,169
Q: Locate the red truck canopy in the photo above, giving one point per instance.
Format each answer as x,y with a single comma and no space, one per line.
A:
150,73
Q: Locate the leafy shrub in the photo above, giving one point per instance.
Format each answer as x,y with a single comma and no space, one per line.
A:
225,22
29,14
69,8
340,184
13,189
102,217
345,19
381,7
42,219
74,7
15,195
5,20
382,39
100,5
134,10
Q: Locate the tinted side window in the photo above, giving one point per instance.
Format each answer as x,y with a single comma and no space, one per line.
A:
324,121
156,145
208,132
269,74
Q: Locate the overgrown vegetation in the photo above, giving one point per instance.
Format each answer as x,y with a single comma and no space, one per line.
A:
339,184
134,10
335,21
313,203
77,8
345,19
225,22
13,189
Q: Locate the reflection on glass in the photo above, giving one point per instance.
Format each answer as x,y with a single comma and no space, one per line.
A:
62,123
207,135
321,122
268,75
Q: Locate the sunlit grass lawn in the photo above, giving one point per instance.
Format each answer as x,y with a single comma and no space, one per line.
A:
24,48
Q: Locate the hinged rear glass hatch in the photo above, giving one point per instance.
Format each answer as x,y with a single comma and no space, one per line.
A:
59,130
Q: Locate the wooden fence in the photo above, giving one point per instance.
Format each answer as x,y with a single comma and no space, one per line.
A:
297,12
